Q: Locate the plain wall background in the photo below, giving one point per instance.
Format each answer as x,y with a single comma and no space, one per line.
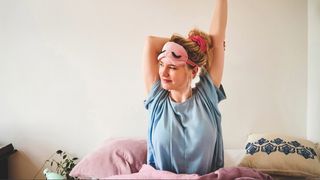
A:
70,71
313,113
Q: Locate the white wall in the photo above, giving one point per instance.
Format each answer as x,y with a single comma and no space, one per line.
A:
313,121
266,69
70,71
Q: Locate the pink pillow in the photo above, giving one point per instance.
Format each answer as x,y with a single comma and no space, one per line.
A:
114,157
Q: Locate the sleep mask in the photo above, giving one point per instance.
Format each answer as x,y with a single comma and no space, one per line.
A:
174,53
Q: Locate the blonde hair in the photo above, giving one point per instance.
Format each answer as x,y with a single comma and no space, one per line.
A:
195,54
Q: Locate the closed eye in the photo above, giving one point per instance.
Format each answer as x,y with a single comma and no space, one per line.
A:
176,56
162,51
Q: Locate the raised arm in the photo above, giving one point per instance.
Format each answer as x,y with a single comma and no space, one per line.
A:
217,31
152,48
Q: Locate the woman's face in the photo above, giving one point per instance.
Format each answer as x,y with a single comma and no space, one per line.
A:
174,77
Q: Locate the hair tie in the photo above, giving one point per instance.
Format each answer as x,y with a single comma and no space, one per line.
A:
200,41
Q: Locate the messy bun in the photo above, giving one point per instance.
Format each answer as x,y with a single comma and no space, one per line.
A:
198,50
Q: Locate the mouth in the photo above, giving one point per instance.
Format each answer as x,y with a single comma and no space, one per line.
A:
166,80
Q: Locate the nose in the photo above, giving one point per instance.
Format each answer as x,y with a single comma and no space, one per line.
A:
164,71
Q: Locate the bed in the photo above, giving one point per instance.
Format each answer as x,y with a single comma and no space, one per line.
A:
265,156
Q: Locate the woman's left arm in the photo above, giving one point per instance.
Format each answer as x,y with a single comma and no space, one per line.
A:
217,32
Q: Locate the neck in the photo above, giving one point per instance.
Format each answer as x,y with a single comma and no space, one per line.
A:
180,96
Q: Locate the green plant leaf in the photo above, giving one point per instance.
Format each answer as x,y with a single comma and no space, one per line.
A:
63,163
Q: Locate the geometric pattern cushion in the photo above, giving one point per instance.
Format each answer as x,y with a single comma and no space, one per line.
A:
282,155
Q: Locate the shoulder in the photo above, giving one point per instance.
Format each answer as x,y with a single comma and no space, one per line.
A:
208,89
156,94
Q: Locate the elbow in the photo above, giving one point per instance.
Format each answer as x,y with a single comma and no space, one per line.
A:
150,41
155,43
150,38
218,40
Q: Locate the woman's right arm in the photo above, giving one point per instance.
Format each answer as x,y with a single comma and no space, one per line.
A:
152,48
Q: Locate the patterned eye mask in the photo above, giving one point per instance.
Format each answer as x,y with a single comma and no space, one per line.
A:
173,53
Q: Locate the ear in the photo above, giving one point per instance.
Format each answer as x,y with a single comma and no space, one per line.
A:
194,71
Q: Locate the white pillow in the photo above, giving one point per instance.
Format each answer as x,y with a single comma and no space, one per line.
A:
282,155
232,157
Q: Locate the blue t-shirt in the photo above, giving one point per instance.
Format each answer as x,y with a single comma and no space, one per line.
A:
185,137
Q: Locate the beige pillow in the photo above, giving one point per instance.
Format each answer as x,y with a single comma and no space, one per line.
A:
282,155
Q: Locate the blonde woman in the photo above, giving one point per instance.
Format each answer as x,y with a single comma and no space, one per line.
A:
184,131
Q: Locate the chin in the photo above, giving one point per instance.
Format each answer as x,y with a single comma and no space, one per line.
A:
166,86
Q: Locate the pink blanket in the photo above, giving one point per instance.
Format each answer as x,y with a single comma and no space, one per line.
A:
148,172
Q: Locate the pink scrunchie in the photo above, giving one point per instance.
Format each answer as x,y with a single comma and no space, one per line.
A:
200,41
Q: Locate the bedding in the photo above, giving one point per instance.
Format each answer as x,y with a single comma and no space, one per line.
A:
113,156
233,157
126,158
231,173
282,155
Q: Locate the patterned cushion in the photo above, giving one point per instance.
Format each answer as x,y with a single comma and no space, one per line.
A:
282,155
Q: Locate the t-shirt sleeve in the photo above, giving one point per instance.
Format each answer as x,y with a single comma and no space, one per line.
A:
206,87
156,89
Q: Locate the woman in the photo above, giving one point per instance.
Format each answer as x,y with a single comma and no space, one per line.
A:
184,132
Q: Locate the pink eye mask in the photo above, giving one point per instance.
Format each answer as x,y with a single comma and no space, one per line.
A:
173,53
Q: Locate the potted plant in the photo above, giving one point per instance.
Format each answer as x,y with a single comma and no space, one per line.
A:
63,164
